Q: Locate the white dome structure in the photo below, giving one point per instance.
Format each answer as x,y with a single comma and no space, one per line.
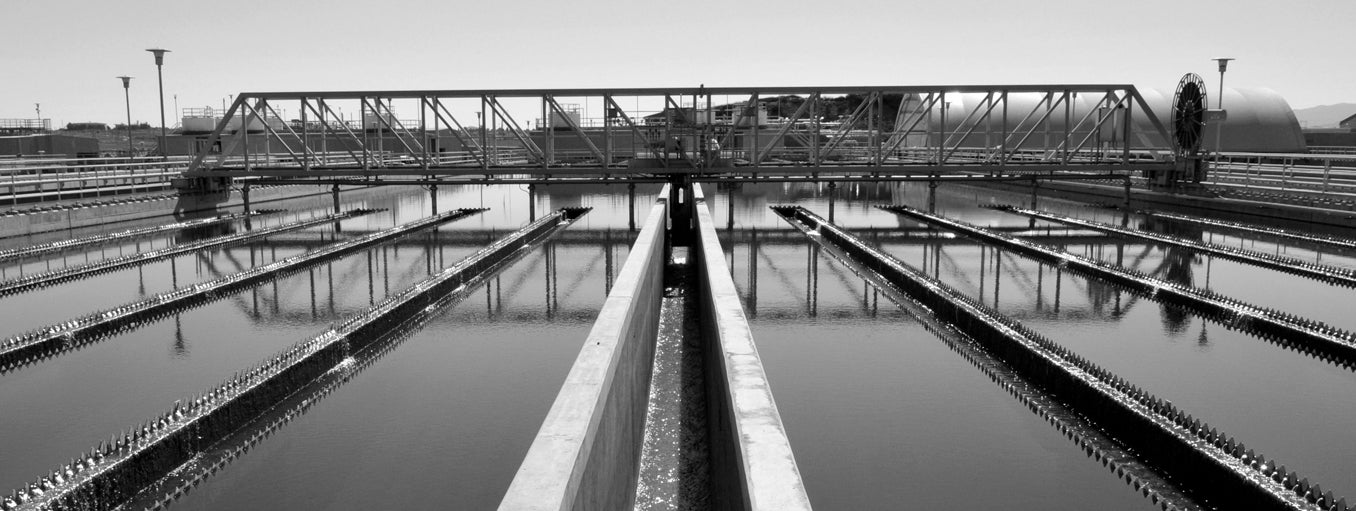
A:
1259,120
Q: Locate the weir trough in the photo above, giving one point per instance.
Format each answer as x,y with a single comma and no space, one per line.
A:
1330,241
1097,444
51,340
53,277
1218,470
1321,340
56,246
587,453
111,473
1329,274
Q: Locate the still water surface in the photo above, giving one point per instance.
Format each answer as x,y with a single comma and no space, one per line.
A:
881,414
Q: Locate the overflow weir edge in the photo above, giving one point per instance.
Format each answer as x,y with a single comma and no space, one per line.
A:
111,473
1214,466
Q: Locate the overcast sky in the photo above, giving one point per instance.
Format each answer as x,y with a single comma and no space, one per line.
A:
65,54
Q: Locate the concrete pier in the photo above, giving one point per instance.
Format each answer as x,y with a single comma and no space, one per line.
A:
587,454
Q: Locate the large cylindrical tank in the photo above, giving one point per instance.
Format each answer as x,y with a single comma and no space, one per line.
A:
199,124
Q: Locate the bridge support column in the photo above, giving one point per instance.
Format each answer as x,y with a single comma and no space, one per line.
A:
531,203
729,202
1035,190
245,198
334,193
832,188
680,211
433,197
932,198
1127,193
631,206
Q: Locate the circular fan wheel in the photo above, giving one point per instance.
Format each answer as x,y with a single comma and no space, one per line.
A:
1188,114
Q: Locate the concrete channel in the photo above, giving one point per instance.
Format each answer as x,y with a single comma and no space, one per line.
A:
1329,274
590,452
1313,337
67,244
1288,234
22,284
111,473
1218,468
48,341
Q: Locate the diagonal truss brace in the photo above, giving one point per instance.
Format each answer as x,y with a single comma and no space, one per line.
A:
574,127
497,110
463,136
786,128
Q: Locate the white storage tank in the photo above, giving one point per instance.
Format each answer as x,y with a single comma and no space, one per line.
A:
199,120
571,112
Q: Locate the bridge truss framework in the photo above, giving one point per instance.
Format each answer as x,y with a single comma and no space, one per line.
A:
763,133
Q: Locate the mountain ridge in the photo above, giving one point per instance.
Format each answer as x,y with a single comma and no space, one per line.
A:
1324,116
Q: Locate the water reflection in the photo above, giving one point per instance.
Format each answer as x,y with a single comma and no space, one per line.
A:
861,390
269,304
1041,290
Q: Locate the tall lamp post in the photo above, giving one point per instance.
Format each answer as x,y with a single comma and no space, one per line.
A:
159,63
1223,65
127,97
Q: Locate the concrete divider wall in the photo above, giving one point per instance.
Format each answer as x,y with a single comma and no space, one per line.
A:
752,466
587,452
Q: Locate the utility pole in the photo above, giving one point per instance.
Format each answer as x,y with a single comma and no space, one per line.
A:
126,96
159,64
1223,65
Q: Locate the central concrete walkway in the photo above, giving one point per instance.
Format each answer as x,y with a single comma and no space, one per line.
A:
708,434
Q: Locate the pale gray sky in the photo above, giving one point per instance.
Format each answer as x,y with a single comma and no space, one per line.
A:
65,54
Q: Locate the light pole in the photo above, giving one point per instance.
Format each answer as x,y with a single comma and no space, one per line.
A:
127,97
159,63
1223,64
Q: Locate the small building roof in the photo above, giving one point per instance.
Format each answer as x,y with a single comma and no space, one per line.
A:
1349,122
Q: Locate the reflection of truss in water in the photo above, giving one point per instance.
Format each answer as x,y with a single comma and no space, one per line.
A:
1105,302
1075,426
174,486
268,303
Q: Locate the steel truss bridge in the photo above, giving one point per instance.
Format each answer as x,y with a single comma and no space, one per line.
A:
707,134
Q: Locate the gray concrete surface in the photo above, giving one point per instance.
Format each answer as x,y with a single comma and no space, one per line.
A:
585,455
753,466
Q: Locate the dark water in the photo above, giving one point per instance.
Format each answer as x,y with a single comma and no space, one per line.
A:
881,414
443,421
837,351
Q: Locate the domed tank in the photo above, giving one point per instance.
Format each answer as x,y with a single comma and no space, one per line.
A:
1259,120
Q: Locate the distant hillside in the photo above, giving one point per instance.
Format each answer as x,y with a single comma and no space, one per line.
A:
1324,116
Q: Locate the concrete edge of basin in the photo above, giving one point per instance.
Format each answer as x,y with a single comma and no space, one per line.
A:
747,434
586,453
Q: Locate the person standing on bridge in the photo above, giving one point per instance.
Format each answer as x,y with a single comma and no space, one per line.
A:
710,151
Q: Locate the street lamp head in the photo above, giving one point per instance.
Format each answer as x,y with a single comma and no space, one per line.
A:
1223,62
159,55
126,81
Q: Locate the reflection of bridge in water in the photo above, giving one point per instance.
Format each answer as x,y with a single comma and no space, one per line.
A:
1047,285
